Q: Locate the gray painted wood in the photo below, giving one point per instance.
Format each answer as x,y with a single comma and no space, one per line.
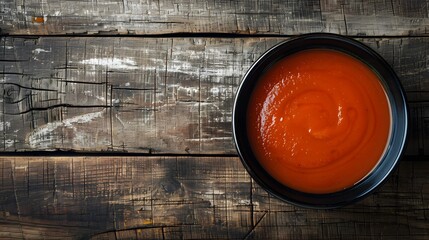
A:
189,198
371,18
153,95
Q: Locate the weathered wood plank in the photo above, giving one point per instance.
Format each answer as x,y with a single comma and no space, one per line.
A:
371,17
189,198
163,95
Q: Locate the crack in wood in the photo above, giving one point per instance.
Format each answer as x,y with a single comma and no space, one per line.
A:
57,106
249,234
18,208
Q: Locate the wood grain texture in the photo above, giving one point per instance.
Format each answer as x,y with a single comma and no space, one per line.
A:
189,198
372,17
169,90
154,95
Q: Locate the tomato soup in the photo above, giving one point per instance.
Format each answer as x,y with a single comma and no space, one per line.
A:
318,121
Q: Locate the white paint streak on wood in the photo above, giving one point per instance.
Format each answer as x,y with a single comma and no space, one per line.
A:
42,136
39,50
83,118
112,63
4,126
9,143
215,191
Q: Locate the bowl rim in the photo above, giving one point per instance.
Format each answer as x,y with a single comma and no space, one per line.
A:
399,125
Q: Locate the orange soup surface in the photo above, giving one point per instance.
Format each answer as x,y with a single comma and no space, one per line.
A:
318,121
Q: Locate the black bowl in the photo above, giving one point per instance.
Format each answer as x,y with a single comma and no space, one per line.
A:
396,98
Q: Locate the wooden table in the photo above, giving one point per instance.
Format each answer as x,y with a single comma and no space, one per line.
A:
116,119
